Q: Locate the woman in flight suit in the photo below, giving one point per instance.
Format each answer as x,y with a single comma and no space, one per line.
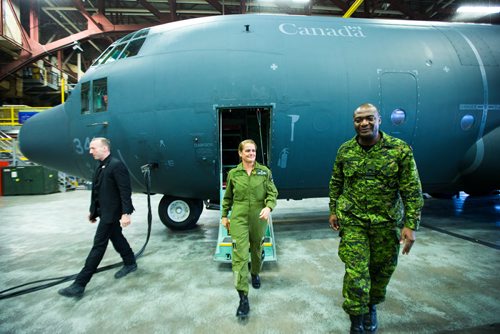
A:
250,196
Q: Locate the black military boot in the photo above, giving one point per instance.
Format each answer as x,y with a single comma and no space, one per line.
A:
244,307
255,281
370,319
356,324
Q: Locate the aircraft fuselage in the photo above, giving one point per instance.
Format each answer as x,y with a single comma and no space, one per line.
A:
437,86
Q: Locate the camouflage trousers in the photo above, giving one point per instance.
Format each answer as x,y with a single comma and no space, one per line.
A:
370,255
247,234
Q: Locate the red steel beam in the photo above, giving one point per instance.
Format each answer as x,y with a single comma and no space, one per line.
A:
97,27
27,43
81,8
162,17
34,21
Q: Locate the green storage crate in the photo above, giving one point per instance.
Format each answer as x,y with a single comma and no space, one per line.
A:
29,180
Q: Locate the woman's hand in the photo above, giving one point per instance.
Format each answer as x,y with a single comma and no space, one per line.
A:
224,221
264,213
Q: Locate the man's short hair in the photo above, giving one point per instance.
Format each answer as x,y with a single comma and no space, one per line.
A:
367,106
104,141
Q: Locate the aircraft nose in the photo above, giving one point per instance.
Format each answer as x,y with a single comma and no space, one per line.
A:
44,139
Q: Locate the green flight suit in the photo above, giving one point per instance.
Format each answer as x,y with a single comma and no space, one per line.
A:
373,193
245,196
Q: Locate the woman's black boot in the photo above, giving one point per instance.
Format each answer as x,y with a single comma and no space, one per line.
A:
244,307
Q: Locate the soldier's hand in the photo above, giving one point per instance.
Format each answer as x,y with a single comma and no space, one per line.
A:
407,239
91,220
334,223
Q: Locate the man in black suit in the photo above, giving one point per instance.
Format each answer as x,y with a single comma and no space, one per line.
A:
110,201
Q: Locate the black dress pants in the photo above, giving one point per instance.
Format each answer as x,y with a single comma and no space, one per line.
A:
104,233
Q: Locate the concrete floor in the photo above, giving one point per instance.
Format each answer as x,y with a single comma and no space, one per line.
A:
446,285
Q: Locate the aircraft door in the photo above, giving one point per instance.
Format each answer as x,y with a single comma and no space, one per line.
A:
237,124
399,104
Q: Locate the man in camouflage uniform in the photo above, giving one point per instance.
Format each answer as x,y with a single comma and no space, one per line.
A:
374,191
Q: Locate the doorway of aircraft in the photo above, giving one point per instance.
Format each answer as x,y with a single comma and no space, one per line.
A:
238,124
235,125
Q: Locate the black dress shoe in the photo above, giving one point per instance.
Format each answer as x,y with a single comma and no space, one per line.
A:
370,322
126,270
244,307
256,281
74,290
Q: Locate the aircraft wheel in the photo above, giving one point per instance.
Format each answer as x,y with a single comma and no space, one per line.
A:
179,213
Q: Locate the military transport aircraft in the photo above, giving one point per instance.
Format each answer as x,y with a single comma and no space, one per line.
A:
180,96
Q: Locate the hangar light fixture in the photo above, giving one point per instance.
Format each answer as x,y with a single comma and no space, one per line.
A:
485,10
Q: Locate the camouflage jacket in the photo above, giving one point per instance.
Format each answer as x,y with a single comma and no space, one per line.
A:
379,186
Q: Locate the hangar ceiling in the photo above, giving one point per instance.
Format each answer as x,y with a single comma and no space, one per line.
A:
56,31
162,11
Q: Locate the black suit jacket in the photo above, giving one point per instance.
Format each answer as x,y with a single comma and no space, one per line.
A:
112,196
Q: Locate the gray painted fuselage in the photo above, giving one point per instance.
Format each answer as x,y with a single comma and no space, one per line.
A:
313,72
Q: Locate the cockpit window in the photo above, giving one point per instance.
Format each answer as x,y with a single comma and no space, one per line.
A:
103,55
114,54
133,48
125,47
125,38
85,97
100,94
140,33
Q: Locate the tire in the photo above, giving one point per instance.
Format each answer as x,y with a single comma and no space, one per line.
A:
179,213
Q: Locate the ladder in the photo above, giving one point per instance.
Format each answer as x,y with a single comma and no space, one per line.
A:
223,251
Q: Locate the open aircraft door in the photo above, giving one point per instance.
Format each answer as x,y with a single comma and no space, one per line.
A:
235,125
399,103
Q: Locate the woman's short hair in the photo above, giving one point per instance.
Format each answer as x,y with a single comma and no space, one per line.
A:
243,143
